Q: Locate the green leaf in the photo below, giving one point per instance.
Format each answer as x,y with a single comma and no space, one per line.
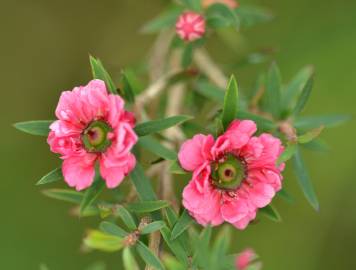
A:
175,168
220,247
187,55
310,135
250,15
304,181
210,91
147,206
230,102
92,193
287,153
182,224
100,73
51,177
296,86
220,12
128,90
155,147
126,217
129,260
152,227
97,266
175,246
147,255
270,212
311,122
262,123
172,263
142,184
201,252
304,96
66,195
165,20
317,145
192,4
102,241
146,128
285,195
113,229
272,96
39,128
171,215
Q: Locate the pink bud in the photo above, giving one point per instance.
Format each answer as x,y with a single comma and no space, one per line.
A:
190,26
244,259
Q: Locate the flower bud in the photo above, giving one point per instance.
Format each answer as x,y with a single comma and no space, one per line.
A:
190,26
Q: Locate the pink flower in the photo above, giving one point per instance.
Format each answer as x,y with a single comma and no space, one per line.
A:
230,3
93,126
233,176
244,259
190,26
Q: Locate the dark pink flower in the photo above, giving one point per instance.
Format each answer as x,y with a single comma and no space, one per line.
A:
233,176
190,26
93,126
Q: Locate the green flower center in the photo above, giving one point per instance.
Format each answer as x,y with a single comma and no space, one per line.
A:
228,173
95,136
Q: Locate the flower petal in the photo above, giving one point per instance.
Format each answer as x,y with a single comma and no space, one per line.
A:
194,152
78,171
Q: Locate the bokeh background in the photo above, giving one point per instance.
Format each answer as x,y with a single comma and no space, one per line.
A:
44,50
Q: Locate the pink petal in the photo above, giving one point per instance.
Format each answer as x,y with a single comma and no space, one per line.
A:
78,171
234,210
239,132
194,152
261,194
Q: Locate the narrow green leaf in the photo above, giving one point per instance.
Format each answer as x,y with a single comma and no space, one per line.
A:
262,123
175,168
317,145
310,122
270,212
147,255
66,195
172,263
272,96
152,227
222,12
142,184
310,135
192,4
287,153
251,15
92,193
295,87
113,229
202,247
210,91
171,215
230,102
102,241
129,260
285,195
304,181
304,96
126,217
128,90
155,147
165,20
220,247
177,249
39,128
182,224
51,177
147,206
100,73
149,127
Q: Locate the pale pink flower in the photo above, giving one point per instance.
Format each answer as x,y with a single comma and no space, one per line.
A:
233,176
230,3
190,26
244,259
92,127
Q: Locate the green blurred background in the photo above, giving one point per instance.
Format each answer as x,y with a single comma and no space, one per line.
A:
44,50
